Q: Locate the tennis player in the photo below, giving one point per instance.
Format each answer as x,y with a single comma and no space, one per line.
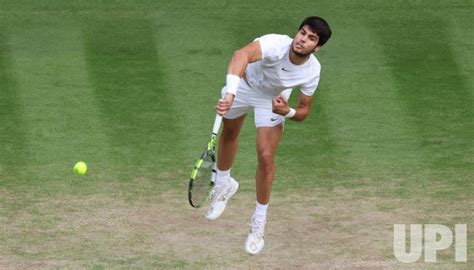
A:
260,78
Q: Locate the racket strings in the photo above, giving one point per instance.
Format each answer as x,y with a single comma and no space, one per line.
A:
202,182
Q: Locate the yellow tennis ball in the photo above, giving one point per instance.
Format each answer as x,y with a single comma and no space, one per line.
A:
80,168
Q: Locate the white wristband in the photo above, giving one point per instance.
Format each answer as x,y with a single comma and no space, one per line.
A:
291,113
232,83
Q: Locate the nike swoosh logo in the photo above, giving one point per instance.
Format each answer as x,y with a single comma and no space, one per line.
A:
274,119
285,69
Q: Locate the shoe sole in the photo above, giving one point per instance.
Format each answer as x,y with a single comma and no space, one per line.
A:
254,253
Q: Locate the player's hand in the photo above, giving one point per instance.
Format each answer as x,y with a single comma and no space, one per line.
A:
224,104
280,106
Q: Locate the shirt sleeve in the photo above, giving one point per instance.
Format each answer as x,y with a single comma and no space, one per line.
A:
286,93
273,46
310,88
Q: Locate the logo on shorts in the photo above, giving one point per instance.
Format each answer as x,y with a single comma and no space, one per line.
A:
274,119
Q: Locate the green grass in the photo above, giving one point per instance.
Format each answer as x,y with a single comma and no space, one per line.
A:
129,87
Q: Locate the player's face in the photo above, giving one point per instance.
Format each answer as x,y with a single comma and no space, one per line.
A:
305,42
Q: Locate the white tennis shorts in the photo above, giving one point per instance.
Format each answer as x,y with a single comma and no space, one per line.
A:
248,99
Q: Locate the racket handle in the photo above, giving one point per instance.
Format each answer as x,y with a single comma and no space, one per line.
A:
214,173
217,124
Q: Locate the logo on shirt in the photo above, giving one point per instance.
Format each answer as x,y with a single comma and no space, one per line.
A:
274,119
284,69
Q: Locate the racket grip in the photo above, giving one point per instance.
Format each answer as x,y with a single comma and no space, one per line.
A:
217,124
214,173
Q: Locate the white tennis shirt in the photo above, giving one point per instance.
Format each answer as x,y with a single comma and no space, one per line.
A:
275,73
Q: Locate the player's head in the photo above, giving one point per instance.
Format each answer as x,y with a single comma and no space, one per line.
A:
313,33
319,26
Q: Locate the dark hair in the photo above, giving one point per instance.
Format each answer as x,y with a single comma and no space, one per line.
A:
319,26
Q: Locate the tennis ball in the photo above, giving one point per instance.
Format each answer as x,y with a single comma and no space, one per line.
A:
80,168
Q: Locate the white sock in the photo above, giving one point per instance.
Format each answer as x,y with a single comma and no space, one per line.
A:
260,214
222,177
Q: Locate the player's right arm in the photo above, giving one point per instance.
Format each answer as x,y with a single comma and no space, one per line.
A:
252,52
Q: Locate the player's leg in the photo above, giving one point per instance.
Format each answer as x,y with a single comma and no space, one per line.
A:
269,130
225,186
267,142
233,121
229,142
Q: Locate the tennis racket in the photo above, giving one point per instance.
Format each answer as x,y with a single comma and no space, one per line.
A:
204,171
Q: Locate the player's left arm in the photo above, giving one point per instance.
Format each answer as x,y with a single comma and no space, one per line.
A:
280,106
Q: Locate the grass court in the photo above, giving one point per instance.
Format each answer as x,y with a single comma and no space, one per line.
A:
130,86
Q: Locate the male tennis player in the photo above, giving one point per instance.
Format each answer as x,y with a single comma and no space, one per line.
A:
260,77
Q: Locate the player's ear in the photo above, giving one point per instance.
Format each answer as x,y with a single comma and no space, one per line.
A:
317,48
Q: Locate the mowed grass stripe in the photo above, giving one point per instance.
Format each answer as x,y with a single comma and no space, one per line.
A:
434,93
460,32
137,112
62,122
192,73
365,116
12,130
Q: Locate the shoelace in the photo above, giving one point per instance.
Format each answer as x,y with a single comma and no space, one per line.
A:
257,228
216,193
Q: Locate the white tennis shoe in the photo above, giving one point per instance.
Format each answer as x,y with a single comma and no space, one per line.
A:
255,240
220,194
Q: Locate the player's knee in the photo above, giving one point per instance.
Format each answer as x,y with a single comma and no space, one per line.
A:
265,159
